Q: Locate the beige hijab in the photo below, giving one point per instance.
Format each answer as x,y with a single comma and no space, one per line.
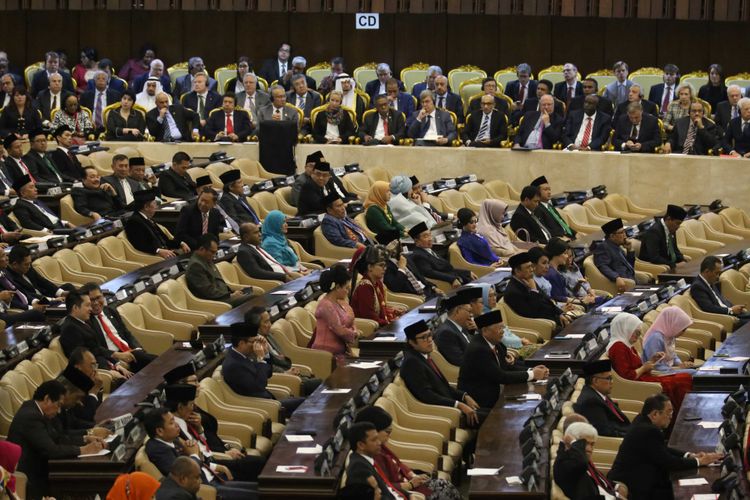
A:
491,215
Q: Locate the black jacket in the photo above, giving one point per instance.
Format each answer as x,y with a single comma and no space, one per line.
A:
702,295
599,132
146,236
644,462
622,110
33,284
360,470
190,224
612,262
396,125
530,304
550,135
176,186
9,120
482,373
88,99
170,490
212,101
523,219
432,266
185,119
310,199
605,105
115,183
236,210
607,422
346,127
554,227
255,265
571,472
498,128
114,317
708,137
67,164
44,102
654,246
734,137
240,123
87,200
648,133
75,333
424,383
246,376
41,170
31,217
397,281
451,342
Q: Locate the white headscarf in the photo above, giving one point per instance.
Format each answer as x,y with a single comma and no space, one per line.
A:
622,328
145,100
350,98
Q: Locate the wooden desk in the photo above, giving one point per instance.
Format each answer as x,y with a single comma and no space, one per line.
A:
689,270
737,344
689,436
18,336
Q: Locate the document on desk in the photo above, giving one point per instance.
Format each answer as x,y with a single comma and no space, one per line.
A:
336,391
532,396
298,438
479,471
299,469
709,425
282,292
101,453
384,339
711,368
741,359
310,450
611,309
696,481
705,496
365,365
570,336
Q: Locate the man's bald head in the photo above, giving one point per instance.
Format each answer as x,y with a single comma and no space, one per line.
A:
162,100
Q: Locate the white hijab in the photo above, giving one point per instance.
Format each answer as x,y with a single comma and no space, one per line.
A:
622,328
145,100
350,98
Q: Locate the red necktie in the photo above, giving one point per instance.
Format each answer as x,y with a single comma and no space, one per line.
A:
521,93
497,355
198,436
27,170
204,229
599,479
586,132
230,125
385,127
613,408
385,479
666,100
121,345
435,368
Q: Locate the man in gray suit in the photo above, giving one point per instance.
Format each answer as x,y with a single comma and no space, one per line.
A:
277,109
304,98
432,126
203,278
184,84
124,185
617,91
252,99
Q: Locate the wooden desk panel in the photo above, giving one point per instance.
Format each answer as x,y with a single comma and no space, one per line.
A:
737,344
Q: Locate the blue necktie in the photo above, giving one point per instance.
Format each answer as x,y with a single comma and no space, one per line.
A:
249,210
425,126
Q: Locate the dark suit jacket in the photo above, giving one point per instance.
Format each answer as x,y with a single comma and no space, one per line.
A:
176,186
184,85
270,69
498,128
74,333
397,281
451,342
346,128
735,139
550,135
656,94
648,133
560,90
204,280
240,121
612,262
501,105
405,104
44,102
190,224
213,101
701,294
288,84
9,120
513,87
372,88
114,317
40,82
453,103
163,456
654,246
723,113
32,284
41,439
87,200
310,199
41,172
13,169
146,236
436,267
396,125
236,210
530,304
443,126
170,490
572,475
622,110
424,383
532,104
482,372
608,423
359,470
605,105
255,266
115,183
68,165
246,376
599,133
116,123
551,223
88,98
185,119
31,217
644,462
522,219
312,100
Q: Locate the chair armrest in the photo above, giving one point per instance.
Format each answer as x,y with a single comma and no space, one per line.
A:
153,342
279,391
242,433
292,382
366,326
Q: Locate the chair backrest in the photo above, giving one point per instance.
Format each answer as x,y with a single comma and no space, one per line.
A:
69,213
365,73
143,464
174,292
553,73
457,76
647,78
736,217
223,75
283,331
695,228
357,182
596,278
453,200
503,190
505,75
714,221
18,385
50,361
603,78
266,202
8,408
734,278
252,168
318,72
151,303
228,272
475,191
362,221
69,258
177,70
217,169
303,323
414,74
284,201
741,79
598,206
49,268
469,88
31,371
90,253
326,248
132,315
378,174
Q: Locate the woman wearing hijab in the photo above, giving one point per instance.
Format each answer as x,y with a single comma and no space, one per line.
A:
275,243
334,317
10,454
350,99
334,125
378,215
125,123
134,486
625,330
660,338
368,298
406,212
490,227
396,472
473,246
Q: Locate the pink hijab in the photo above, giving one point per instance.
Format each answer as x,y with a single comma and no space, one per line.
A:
670,323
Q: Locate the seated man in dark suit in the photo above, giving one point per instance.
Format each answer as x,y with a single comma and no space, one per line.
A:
67,163
183,481
548,214
644,461
432,126
363,478
636,131
521,89
112,332
658,243
595,404
338,228
540,129
172,122
430,264
533,103
99,98
314,191
429,81
52,97
244,369
29,281
299,64
32,310
726,110
164,446
39,163
14,166
385,126
40,80
144,234
486,126
706,292
76,331
525,298
96,199
32,213
186,83
198,218
445,99
398,100
304,98
39,434
424,379
591,87
233,200
203,278
489,87
664,93
484,368
587,129
452,337
378,86
201,99
175,182
256,262
525,223
120,180
570,87
615,258
82,363
737,136
635,94
229,124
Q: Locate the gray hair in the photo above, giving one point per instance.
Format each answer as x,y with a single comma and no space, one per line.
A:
299,60
640,89
384,67
745,101
251,75
155,63
426,93
434,70
635,106
523,68
100,72
736,87
193,61
581,430
298,77
276,87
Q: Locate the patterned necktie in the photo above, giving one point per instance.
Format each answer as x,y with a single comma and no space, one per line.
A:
687,147
204,228
201,106
167,130
52,168
483,130
667,99
98,111
522,94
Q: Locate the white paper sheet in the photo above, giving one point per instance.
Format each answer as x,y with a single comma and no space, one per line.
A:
298,438
478,471
100,454
696,481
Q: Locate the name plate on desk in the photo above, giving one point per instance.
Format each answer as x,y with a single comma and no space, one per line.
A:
653,299
220,254
642,306
292,301
22,347
174,270
681,283
274,311
440,238
121,294
472,178
156,278
670,288
139,286
339,171
54,191
451,183
117,224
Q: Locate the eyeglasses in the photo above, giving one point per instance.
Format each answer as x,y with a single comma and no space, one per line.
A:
426,336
